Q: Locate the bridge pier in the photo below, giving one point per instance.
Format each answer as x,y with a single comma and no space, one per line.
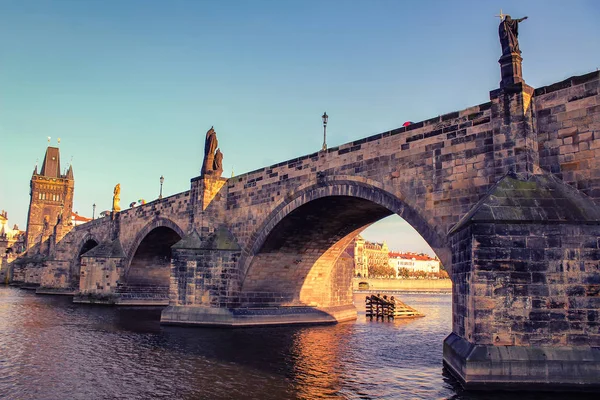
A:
101,271
264,316
526,293
206,290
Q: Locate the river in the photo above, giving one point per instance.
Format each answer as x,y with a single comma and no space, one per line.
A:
53,349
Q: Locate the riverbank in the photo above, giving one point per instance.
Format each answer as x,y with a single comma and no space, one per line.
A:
405,285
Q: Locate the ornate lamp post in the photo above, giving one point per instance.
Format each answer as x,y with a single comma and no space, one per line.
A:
162,179
94,211
325,118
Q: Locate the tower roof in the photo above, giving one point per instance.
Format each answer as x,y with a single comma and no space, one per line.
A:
51,164
70,173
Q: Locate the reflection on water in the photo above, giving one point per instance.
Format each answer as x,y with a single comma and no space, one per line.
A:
53,349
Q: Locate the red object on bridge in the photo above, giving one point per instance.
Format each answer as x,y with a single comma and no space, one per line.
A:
407,123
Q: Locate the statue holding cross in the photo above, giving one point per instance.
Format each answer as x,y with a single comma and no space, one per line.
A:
509,33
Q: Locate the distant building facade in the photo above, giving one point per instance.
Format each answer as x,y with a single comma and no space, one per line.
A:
12,240
51,201
356,249
77,219
414,262
367,255
377,254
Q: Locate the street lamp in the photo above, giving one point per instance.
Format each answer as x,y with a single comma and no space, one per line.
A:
162,179
93,211
325,117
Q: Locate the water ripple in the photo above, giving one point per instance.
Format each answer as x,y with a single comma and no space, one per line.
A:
53,349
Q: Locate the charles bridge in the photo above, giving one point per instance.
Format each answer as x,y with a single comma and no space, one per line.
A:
505,192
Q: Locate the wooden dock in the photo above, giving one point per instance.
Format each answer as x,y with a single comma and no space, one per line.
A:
378,306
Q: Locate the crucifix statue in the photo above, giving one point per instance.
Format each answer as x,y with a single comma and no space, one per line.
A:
509,33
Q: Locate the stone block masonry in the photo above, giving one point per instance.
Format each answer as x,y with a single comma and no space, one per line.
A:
568,131
526,290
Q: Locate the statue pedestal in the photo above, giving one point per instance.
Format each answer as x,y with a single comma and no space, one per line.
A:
510,69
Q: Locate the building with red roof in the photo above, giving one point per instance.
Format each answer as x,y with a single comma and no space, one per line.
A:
77,219
414,262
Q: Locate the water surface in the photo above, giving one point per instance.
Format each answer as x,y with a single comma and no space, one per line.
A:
53,349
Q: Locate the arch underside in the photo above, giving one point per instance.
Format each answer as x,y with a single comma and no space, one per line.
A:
149,265
88,244
300,261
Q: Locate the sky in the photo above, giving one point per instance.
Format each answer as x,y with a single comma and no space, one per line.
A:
131,87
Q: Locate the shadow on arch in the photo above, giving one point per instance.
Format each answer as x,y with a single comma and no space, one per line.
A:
297,256
85,245
148,259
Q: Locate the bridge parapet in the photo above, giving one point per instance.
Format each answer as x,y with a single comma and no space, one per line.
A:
439,168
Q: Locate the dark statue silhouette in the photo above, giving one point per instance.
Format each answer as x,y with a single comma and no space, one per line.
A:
213,158
509,33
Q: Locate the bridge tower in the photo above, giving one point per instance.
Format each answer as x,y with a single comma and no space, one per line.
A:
51,197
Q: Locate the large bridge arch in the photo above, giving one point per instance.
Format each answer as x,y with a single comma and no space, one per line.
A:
296,248
151,248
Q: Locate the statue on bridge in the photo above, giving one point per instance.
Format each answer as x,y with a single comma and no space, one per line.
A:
218,163
509,33
213,158
116,198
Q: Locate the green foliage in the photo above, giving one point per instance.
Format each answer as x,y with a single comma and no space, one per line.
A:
405,273
381,271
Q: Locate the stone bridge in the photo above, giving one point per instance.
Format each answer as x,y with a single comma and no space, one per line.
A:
505,193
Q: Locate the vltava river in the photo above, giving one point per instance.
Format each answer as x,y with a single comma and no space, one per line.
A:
53,349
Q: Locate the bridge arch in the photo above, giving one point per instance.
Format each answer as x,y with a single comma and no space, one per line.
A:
87,243
304,236
150,250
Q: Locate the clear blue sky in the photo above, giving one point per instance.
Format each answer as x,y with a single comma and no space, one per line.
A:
131,87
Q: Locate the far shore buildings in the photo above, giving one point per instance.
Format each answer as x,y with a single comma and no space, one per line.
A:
12,240
414,262
368,255
12,244
77,219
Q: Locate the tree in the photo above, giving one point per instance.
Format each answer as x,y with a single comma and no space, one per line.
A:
381,271
403,273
